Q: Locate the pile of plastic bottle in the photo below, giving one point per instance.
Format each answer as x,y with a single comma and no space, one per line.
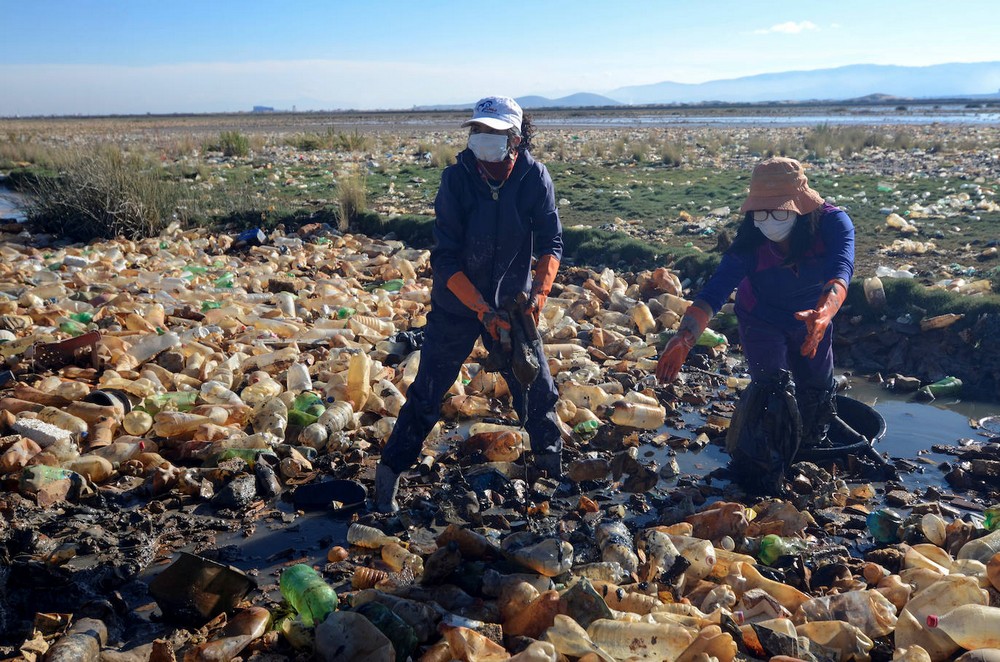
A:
159,359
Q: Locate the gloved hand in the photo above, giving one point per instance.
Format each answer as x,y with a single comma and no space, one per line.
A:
462,287
695,322
818,319
494,322
545,274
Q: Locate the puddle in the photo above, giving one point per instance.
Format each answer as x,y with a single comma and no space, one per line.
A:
11,206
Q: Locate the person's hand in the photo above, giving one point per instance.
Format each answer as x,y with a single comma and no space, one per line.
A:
545,274
693,324
673,357
535,305
493,321
818,319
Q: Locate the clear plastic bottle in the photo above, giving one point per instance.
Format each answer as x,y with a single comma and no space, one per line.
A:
700,553
92,467
874,293
260,387
338,416
644,417
151,345
214,392
75,426
869,610
270,416
297,378
176,423
642,318
981,549
122,450
615,543
847,638
622,640
359,380
308,594
369,537
399,558
969,626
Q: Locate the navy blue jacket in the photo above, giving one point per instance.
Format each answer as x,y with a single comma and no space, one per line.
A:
492,240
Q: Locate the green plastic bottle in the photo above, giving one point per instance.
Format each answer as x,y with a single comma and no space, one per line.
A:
884,525
310,403
773,547
345,312
944,388
301,418
992,518
308,593
85,317
248,454
710,338
586,429
400,633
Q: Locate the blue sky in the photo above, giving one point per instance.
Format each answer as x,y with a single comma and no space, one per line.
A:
138,56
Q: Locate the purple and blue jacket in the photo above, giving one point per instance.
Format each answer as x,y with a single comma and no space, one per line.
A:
770,291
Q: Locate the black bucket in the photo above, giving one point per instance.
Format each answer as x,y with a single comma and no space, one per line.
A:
858,416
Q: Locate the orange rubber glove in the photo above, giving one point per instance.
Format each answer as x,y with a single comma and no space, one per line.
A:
462,287
693,324
818,319
545,274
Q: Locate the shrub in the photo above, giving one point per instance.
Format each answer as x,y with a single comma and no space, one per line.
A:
672,154
104,194
442,155
305,142
352,199
234,143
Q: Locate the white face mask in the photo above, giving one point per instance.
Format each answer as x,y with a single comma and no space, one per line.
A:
775,230
489,147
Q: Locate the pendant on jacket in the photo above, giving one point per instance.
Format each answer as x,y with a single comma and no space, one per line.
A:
496,195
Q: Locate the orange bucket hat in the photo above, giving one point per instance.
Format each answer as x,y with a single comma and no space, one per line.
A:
780,183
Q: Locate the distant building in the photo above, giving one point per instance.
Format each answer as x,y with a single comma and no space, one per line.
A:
263,109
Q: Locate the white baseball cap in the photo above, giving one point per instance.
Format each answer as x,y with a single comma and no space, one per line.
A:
500,113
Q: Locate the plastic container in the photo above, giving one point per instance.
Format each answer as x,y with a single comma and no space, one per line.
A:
884,526
297,378
773,547
874,293
656,641
636,415
969,626
869,610
944,388
338,416
981,549
642,318
359,380
399,558
308,593
615,544
368,536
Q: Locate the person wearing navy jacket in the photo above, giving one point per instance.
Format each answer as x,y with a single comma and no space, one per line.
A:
790,263
495,208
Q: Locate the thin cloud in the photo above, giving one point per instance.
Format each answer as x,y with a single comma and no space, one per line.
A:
789,27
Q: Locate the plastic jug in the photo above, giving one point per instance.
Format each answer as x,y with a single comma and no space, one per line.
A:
868,610
940,597
848,639
642,416
359,380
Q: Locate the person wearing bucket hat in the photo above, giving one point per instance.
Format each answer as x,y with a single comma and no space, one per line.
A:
790,264
494,210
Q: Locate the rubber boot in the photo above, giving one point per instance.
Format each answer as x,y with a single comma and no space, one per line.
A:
386,485
550,464
817,407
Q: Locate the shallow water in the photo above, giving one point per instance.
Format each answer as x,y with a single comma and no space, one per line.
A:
11,205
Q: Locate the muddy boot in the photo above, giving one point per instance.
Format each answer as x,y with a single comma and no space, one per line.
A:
386,484
548,463
817,408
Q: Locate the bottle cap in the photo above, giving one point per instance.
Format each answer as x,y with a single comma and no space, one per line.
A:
932,620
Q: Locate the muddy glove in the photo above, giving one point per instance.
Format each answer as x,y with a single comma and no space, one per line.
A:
818,319
545,275
462,287
693,324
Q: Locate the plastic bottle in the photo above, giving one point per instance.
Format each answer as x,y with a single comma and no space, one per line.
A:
943,388
661,554
17,455
991,518
75,426
122,450
642,318
241,629
615,543
308,594
175,423
260,387
874,293
884,526
214,392
981,549
773,547
548,557
586,429
137,422
270,416
622,640
368,536
711,338
92,467
151,345
404,639
700,553
399,558
338,416
179,400
969,626
869,610
939,597
934,528
587,396
848,639
744,576
635,415
297,378
359,380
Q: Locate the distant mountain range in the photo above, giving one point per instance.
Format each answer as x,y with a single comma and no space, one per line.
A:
856,81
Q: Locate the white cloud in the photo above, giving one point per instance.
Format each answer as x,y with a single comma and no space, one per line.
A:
789,27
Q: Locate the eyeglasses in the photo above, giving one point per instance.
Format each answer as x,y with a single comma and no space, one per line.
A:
777,214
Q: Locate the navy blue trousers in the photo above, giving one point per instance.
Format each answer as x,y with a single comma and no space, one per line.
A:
770,348
448,341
